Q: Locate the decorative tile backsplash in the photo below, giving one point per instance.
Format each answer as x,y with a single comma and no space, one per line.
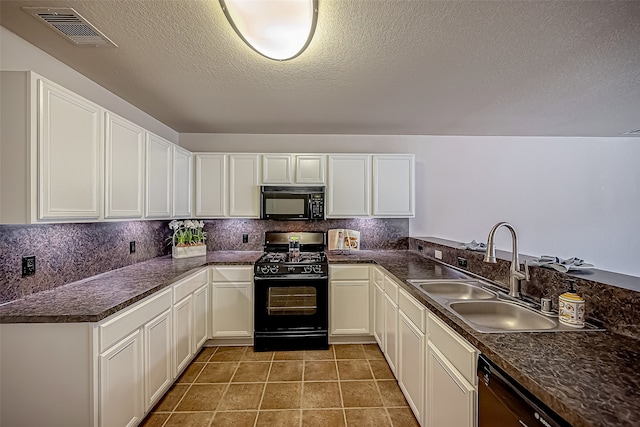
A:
615,306
67,253
375,233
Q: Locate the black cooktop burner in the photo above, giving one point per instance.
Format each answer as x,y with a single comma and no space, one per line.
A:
285,257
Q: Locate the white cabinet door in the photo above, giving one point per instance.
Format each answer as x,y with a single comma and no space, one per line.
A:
70,144
393,185
378,315
182,333
159,177
232,310
349,307
276,169
121,384
210,185
182,183
124,168
391,333
411,362
310,168
348,186
157,356
451,400
244,193
201,317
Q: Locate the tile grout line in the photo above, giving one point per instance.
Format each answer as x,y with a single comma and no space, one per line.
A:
173,410
344,412
264,389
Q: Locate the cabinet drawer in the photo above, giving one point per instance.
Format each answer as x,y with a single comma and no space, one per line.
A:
378,277
232,274
189,285
391,289
115,329
462,355
412,308
349,272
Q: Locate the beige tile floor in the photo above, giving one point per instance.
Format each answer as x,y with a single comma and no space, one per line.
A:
347,385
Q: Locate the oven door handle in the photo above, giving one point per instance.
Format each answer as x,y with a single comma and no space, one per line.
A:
293,277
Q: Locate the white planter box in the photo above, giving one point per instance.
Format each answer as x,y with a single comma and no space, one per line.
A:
188,251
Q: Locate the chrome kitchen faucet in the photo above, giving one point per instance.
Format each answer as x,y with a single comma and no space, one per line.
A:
515,275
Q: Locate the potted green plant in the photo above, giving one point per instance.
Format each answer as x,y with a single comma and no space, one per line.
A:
188,239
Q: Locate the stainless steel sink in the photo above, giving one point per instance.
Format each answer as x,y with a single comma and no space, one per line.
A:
464,290
495,315
487,308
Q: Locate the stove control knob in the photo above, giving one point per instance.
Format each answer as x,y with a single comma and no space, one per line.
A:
264,269
308,269
291,269
273,269
317,269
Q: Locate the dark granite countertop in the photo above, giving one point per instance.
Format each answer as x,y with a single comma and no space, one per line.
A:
98,297
589,378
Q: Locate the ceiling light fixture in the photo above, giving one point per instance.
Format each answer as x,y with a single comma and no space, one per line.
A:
277,29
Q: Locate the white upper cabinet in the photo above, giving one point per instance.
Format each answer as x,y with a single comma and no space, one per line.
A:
244,193
182,182
124,168
210,185
348,186
393,185
69,155
310,169
159,177
276,169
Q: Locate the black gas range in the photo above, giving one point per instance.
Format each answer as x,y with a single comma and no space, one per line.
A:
291,292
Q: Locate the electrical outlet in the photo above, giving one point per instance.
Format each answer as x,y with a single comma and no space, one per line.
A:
462,262
245,238
420,248
132,247
28,265
437,254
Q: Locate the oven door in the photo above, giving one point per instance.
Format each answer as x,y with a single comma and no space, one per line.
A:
291,313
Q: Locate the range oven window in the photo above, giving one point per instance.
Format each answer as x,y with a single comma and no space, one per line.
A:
292,300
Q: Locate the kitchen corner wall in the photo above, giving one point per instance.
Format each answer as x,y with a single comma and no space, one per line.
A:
67,253
614,306
375,233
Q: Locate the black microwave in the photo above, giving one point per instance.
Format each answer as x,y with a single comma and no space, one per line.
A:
282,202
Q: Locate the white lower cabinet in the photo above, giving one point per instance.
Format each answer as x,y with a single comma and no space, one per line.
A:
201,316
190,312
182,333
411,351
157,356
451,393
391,324
232,302
349,300
451,400
121,383
378,315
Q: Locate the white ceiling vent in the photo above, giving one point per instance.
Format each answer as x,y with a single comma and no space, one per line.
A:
70,24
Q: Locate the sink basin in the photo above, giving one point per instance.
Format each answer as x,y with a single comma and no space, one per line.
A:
501,316
453,289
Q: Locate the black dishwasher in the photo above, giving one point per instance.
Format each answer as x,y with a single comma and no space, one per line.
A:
505,403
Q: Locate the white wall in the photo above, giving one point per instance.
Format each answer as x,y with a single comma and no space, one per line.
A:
16,54
565,196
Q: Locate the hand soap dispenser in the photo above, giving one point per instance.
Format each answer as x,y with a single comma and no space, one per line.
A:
571,307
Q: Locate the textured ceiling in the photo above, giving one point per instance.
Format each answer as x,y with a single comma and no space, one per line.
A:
547,68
